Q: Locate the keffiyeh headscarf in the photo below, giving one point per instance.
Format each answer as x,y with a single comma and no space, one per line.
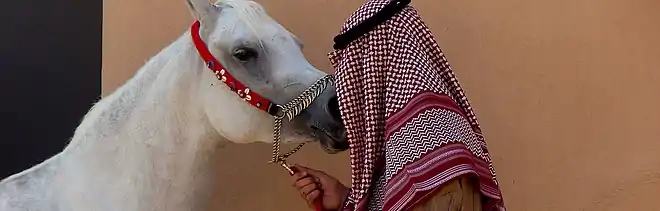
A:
409,124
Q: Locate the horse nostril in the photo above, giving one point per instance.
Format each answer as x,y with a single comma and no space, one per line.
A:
333,108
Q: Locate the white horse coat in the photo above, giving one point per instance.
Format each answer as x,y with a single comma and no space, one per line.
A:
148,145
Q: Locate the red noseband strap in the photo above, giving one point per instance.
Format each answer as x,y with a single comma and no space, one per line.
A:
223,75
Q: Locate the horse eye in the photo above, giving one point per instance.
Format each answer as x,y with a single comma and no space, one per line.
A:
244,54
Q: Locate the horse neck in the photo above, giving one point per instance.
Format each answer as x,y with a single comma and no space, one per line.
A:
151,139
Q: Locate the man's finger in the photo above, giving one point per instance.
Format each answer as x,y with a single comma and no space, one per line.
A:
307,189
308,170
299,175
312,197
298,168
304,182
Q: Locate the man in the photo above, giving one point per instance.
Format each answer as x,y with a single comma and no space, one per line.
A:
415,143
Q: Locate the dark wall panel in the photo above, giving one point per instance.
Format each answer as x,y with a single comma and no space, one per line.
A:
50,75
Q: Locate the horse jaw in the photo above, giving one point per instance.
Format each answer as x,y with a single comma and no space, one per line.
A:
239,122
231,116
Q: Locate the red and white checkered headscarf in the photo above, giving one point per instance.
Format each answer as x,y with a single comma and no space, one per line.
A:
409,123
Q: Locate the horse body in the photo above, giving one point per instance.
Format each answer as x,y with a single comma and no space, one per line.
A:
149,145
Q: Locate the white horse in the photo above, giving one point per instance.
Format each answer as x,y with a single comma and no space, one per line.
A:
148,145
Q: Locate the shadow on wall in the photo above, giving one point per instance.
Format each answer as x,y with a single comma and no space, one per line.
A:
566,92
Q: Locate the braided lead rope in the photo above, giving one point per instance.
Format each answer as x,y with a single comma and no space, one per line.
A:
291,110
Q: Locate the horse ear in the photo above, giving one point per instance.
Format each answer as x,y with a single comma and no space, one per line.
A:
201,9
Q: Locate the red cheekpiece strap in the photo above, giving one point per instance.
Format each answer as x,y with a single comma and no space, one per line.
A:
223,75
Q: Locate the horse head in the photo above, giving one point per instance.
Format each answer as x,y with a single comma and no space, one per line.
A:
261,54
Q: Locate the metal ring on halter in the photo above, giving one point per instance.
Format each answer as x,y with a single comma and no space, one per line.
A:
281,113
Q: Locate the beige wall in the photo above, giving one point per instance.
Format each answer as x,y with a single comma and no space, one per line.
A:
567,92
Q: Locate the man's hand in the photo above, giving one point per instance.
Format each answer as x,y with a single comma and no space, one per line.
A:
318,187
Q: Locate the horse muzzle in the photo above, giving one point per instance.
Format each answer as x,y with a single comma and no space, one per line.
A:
326,124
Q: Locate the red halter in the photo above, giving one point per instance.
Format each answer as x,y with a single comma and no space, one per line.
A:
223,75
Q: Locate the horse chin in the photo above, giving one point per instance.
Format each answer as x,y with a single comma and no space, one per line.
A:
330,150
330,144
